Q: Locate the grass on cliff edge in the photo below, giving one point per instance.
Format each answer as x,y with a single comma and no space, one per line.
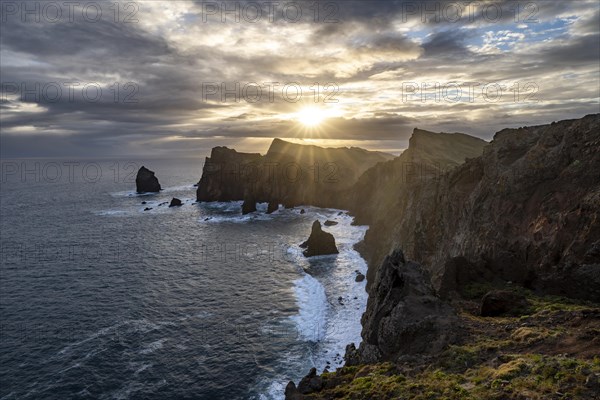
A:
553,352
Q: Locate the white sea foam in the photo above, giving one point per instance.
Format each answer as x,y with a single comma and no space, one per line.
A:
312,303
322,318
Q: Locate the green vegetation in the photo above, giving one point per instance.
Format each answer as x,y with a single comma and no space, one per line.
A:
551,353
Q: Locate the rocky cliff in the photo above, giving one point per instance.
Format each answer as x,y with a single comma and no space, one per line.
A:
526,211
289,174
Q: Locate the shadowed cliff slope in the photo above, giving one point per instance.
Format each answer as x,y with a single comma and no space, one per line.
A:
290,174
526,211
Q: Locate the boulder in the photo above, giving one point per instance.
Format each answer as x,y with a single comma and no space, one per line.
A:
302,211
503,302
319,242
359,278
147,208
272,207
175,202
330,223
145,181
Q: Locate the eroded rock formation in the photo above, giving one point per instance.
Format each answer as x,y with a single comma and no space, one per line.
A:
289,174
319,242
146,182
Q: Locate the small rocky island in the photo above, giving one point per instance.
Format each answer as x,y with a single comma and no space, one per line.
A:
319,242
146,182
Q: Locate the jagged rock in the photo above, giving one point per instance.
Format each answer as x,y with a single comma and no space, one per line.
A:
272,207
147,208
249,204
175,202
227,174
310,383
526,210
145,181
291,392
330,223
302,211
502,302
404,316
319,242
351,357
359,278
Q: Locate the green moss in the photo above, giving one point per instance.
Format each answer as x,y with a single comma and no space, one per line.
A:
532,376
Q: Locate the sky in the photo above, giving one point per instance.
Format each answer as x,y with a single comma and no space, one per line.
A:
176,78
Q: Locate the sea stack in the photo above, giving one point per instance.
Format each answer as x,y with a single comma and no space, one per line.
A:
319,242
145,181
249,204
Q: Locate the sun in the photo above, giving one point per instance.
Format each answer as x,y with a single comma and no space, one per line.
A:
311,116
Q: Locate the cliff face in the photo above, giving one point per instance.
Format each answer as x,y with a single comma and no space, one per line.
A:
290,174
379,197
223,176
404,316
526,211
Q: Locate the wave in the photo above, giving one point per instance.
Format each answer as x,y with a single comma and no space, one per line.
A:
170,189
311,319
330,303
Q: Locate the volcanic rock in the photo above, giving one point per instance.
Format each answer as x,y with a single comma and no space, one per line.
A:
175,202
249,204
145,181
319,242
310,383
404,316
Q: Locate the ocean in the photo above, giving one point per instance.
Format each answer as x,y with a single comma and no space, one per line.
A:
101,299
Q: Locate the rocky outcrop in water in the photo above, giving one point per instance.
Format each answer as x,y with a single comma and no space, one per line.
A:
175,202
249,204
146,182
319,242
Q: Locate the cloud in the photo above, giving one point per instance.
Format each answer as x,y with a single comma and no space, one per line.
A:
369,50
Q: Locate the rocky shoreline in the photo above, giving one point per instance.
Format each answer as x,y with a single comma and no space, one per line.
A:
521,211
